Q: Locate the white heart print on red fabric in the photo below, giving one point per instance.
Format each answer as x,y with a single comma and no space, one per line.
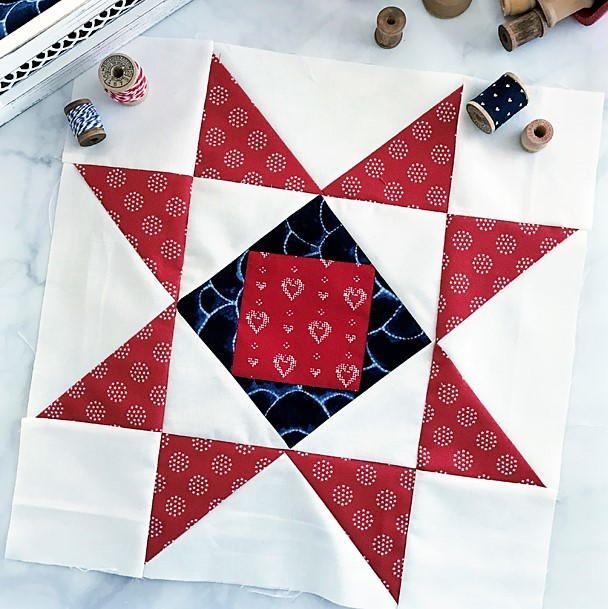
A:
354,297
347,374
257,320
316,352
284,363
319,330
292,287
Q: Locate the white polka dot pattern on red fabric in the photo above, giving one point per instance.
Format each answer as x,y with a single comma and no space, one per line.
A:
128,388
481,257
462,438
194,476
371,501
237,143
414,168
151,208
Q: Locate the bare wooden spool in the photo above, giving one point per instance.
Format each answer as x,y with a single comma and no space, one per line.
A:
557,10
91,136
446,9
390,24
522,29
536,135
516,7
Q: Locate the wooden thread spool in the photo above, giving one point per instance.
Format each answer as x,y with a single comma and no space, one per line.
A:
516,7
536,135
498,103
446,9
522,29
557,10
117,73
90,131
390,24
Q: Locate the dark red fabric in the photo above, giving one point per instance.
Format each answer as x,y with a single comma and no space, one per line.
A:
372,503
128,388
151,209
460,437
303,320
588,16
237,143
195,475
412,169
482,256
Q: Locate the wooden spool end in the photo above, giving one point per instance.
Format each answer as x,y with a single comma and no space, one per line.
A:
480,117
92,137
536,135
446,9
516,7
522,29
390,24
75,104
117,72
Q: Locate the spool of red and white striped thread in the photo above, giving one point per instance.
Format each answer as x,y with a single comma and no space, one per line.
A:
123,79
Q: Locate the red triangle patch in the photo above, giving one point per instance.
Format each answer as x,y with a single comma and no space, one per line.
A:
237,143
127,389
151,209
372,503
482,256
194,475
412,169
460,437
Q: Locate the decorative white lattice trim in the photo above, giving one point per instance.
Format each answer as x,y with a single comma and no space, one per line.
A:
66,43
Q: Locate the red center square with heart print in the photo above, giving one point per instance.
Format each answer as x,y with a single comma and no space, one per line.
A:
303,321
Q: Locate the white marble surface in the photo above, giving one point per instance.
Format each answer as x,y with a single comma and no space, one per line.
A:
30,149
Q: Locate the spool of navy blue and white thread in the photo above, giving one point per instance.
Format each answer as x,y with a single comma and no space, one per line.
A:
85,122
499,103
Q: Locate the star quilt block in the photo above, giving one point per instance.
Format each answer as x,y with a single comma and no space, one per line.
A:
310,344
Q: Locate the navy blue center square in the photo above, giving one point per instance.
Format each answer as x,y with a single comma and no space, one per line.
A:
313,231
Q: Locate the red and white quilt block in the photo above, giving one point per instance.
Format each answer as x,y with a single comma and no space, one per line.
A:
297,351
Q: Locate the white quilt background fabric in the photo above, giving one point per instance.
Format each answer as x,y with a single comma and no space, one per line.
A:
83,496
164,136
474,544
469,539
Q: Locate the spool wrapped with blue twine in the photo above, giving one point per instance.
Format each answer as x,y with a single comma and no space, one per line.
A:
499,103
85,122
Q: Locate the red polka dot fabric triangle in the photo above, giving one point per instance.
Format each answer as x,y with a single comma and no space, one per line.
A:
481,257
412,169
459,436
151,209
371,501
129,387
237,143
194,476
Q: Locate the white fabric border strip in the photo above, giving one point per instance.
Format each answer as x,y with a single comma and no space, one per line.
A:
83,496
474,544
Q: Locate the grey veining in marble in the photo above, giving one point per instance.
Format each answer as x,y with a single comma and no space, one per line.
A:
30,148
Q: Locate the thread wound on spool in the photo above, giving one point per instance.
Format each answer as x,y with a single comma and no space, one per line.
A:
536,135
123,79
499,103
390,24
85,122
